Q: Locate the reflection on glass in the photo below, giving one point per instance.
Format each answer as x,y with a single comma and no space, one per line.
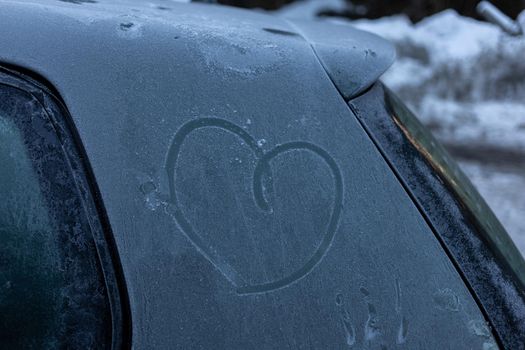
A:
449,170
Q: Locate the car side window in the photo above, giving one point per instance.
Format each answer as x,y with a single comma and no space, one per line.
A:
53,290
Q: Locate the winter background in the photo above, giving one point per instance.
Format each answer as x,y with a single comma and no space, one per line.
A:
465,79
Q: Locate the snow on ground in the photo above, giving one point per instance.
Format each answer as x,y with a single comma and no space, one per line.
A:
465,79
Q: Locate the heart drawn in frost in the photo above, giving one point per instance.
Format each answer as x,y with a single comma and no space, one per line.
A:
262,172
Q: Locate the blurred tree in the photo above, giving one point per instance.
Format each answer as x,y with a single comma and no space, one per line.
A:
416,10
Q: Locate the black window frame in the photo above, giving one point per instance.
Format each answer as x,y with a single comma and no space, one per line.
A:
80,176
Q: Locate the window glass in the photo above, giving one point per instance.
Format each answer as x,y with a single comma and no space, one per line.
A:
439,158
52,293
30,280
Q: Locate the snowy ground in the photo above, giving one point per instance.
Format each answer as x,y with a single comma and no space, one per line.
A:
466,81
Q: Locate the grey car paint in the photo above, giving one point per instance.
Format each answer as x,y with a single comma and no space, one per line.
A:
249,208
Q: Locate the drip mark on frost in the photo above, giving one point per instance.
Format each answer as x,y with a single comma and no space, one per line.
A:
151,196
402,331
398,296
130,30
372,328
446,299
339,299
348,327
481,329
364,291
403,323
126,26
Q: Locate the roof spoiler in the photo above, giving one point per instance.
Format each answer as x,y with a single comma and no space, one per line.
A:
353,59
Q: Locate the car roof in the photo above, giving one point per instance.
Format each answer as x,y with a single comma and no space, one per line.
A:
58,30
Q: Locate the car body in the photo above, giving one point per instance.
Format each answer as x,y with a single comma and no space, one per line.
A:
189,176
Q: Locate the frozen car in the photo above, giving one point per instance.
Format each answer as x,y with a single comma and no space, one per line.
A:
183,176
